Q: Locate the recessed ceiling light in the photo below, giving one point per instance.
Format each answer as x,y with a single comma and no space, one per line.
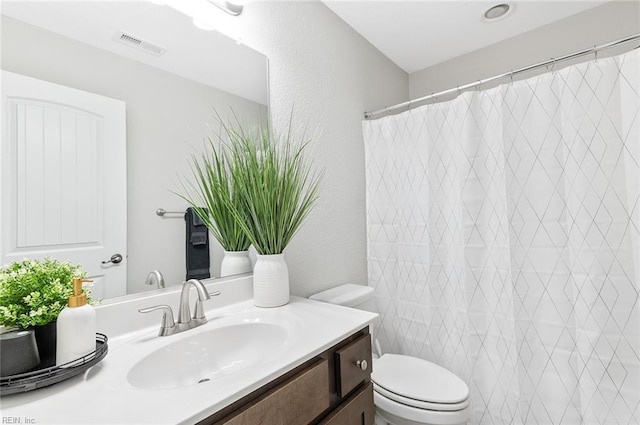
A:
497,11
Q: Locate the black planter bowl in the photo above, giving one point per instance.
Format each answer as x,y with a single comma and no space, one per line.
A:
18,352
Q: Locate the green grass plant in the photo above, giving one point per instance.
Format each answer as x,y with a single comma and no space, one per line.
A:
212,195
276,188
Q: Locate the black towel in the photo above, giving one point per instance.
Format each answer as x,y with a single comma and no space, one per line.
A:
197,247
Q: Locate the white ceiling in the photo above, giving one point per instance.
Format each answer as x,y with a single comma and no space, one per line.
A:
420,33
207,57
415,34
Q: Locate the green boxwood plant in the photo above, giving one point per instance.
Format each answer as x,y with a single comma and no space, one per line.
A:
34,292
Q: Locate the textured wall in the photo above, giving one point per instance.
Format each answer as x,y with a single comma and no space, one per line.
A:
329,75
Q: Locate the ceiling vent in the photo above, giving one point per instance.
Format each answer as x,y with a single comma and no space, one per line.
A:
139,43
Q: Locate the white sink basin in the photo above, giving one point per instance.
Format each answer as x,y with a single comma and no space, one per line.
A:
208,356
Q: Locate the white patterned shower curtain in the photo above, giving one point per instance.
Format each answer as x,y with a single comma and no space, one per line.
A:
504,242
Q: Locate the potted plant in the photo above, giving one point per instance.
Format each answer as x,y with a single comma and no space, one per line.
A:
211,194
32,295
275,190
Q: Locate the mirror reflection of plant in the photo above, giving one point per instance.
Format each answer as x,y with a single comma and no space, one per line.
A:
210,193
34,292
275,185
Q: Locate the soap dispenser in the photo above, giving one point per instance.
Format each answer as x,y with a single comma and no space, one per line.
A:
76,327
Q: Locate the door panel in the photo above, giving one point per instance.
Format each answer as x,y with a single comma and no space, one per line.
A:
64,178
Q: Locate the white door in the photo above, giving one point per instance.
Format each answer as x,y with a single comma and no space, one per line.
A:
63,179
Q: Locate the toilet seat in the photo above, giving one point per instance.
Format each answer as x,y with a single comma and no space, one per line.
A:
398,413
418,383
420,404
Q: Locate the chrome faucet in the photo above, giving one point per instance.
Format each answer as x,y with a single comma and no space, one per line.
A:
185,321
155,277
184,315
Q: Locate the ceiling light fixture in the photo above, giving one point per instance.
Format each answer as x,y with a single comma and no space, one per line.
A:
208,14
226,6
496,12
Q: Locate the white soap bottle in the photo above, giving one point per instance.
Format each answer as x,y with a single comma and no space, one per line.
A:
76,327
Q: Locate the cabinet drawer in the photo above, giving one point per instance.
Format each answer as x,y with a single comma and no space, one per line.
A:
357,410
297,401
353,364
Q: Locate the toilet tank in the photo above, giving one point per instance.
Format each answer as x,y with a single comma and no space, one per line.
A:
348,295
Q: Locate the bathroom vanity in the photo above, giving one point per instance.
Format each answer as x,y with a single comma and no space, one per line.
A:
332,388
306,362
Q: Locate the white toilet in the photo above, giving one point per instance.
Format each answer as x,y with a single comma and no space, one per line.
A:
407,390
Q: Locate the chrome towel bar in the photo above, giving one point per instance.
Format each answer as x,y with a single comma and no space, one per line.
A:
160,212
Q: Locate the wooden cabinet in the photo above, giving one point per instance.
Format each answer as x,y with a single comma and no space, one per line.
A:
353,364
333,388
299,400
356,410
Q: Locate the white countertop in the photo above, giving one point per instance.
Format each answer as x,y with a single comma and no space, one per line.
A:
103,395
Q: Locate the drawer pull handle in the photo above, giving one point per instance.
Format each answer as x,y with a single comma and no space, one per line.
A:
362,364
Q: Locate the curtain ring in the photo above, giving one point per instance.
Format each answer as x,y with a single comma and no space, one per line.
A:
595,52
511,76
553,64
479,85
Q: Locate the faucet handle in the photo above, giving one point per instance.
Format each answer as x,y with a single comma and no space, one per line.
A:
198,313
167,316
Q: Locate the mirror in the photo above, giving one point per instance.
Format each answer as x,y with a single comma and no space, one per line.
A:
172,78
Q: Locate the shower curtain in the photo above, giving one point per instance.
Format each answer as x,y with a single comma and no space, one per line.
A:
504,242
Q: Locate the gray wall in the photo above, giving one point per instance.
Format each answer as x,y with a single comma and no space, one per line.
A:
611,21
329,75
166,123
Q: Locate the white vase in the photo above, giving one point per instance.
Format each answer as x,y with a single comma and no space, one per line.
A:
270,281
235,262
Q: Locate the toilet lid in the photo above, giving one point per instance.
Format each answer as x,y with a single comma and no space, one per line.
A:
418,379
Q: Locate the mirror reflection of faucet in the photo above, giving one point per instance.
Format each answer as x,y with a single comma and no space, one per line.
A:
169,326
155,277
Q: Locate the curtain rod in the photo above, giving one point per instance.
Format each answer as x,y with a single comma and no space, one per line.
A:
460,89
